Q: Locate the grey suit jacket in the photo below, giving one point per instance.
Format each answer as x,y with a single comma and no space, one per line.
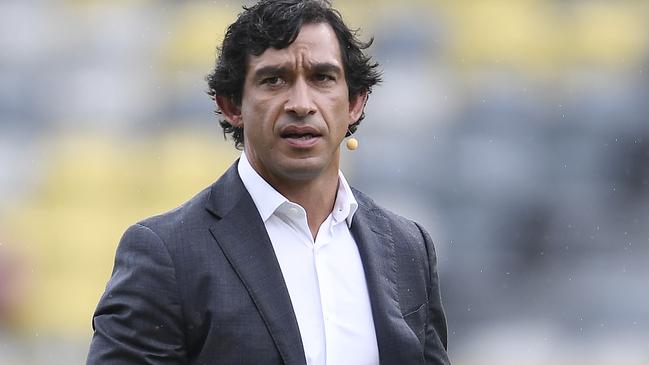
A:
201,285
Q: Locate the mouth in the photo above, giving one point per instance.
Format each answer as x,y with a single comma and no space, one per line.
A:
300,137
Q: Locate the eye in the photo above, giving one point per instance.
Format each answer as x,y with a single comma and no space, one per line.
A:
323,77
272,81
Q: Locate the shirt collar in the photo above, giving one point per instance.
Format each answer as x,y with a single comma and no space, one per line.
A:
268,200
346,205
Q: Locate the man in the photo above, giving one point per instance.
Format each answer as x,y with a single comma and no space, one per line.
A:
279,261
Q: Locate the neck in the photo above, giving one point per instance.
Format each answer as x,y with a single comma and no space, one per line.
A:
316,196
316,192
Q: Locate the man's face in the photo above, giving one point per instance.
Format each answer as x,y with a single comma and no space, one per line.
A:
295,108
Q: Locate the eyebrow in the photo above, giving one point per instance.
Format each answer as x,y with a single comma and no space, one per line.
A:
326,67
272,70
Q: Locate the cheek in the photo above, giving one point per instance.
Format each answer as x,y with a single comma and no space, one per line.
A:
336,110
266,112
260,122
342,114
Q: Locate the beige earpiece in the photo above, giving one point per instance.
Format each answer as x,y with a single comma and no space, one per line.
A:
352,144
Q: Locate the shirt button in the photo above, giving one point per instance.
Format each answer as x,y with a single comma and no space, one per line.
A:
293,210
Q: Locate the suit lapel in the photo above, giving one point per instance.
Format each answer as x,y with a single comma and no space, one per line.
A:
371,231
243,238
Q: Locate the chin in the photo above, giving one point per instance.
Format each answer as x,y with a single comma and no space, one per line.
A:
303,168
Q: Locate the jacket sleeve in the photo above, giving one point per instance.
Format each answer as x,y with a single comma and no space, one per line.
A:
435,345
139,319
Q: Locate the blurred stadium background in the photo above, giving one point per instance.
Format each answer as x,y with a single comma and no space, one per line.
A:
517,132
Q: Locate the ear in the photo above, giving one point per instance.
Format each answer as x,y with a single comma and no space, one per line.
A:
356,106
230,110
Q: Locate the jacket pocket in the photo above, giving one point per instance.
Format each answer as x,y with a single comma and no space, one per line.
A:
416,320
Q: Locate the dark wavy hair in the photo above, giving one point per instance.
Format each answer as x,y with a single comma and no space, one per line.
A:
276,24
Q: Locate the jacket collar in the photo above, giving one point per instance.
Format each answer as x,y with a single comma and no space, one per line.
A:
241,234
372,232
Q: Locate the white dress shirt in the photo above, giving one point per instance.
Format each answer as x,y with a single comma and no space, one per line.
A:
325,277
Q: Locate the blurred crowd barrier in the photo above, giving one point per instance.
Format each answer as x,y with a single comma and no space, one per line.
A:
517,132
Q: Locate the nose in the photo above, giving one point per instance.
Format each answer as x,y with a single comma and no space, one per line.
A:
299,102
